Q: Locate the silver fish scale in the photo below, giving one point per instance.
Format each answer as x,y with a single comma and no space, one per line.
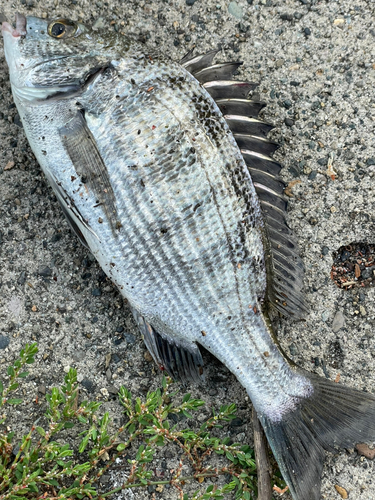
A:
189,256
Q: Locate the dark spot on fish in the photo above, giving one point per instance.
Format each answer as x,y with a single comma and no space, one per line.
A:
72,178
132,81
138,132
112,264
203,333
84,179
142,183
117,97
163,230
192,150
133,167
100,220
44,152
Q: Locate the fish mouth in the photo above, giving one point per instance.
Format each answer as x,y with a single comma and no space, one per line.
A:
19,30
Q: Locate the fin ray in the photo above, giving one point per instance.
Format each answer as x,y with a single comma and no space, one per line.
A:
333,416
181,359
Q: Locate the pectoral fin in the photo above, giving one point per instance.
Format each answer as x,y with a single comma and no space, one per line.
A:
81,147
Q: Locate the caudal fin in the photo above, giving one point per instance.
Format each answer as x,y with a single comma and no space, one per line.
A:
334,416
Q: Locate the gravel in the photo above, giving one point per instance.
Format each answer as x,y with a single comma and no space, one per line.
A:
327,75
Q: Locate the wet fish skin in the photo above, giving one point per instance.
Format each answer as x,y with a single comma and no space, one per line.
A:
146,167
181,169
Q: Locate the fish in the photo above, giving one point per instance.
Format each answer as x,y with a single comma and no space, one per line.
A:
164,171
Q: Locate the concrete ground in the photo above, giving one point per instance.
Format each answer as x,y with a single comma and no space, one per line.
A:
315,64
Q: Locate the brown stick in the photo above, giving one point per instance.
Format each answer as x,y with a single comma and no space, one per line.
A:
262,461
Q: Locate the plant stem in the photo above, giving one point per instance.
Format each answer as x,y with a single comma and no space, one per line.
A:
262,461
150,483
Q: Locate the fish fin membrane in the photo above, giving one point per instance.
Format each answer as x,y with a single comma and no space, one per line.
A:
334,416
81,147
284,287
73,225
181,359
71,212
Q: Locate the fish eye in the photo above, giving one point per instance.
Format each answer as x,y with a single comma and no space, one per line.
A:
62,28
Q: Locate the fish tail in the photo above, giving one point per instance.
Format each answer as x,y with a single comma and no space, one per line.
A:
333,416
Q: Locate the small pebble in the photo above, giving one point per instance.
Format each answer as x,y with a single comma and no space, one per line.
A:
99,24
147,356
235,10
45,271
338,321
341,491
88,385
4,342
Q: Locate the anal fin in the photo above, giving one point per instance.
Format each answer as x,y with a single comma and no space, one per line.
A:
181,359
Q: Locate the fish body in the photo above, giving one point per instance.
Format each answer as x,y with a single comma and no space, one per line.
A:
151,177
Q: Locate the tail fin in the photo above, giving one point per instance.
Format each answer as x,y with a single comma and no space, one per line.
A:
334,416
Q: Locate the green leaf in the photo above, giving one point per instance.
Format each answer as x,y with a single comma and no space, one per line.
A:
23,374
121,447
32,487
10,371
68,425
14,401
186,398
41,431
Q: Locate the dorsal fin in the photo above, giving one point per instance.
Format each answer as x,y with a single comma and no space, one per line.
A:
284,265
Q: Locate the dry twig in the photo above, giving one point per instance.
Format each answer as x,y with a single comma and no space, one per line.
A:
262,461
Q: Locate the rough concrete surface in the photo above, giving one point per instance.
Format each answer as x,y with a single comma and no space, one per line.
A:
315,61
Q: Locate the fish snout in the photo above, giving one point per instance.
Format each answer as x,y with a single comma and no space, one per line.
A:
19,30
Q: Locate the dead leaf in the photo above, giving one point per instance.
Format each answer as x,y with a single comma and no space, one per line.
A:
34,308
147,356
364,450
337,379
9,165
341,491
357,271
160,488
279,490
288,189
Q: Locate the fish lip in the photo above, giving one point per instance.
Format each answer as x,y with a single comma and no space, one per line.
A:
19,30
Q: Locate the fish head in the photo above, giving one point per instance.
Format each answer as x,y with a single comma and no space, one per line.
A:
56,57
